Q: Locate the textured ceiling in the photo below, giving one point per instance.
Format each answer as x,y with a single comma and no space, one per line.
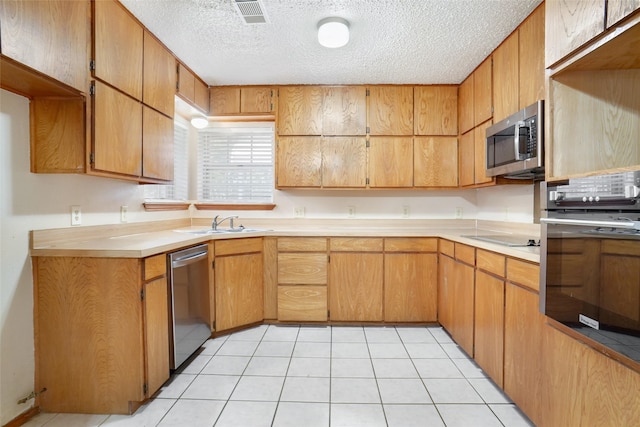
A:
392,41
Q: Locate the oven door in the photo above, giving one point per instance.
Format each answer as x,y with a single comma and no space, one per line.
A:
590,276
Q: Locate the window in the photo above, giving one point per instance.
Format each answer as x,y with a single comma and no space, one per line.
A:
179,190
235,163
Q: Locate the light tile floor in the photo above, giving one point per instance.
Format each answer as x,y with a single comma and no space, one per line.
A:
321,376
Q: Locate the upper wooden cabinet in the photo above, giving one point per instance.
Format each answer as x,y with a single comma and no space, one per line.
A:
619,9
472,157
192,89
466,105
118,47
505,78
344,110
157,145
51,37
570,24
435,110
531,55
240,100
344,162
159,78
300,110
435,161
391,110
390,162
299,161
483,91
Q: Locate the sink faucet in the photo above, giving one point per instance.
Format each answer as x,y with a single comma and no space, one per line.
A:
217,222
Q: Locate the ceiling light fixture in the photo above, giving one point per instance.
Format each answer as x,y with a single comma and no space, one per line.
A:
199,122
333,32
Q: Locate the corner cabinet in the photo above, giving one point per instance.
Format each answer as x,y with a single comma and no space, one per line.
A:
102,332
233,100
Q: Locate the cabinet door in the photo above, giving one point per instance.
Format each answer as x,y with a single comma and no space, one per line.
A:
435,161
480,154
505,82
489,325
570,24
302,268
157,145
410,287
302,303
224,100
201,95
344,162
436,110
446,271
344,110
463,305
522,345
618,9
467,160
300,110
239,293
299,162
483,90
391,110
159,86
156,325
355,281
256,100
117,140
186,83
466,104
531,67
390,161
51,37
118,40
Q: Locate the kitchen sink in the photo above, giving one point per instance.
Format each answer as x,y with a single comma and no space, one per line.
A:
222,231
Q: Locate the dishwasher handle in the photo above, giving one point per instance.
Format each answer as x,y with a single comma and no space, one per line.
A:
191,259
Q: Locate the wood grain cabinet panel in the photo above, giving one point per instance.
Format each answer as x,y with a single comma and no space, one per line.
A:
224,100
117,140
299,161
118,52
435,110
344,110
156,314
531,56
302,268
157,145
619,9
569,24
410,287
466,159
489,325
480,154
506,78
52,37
344,161
302,303
306,244
483,90
159,78
256,100
435,161
466,105
390,161
300,110
201,95
186,83
391,110
446,271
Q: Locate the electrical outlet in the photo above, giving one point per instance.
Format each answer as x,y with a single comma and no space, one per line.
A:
76,215
458,213
123,214
298,212
405,212
351,211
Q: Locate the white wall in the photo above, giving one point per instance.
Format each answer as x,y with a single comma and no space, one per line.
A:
33,201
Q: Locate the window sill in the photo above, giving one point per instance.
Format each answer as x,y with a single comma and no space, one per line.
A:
234,207
166,206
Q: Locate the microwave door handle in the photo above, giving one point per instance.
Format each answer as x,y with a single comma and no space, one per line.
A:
631,225
519,155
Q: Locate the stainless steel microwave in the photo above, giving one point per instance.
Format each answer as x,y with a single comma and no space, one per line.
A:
515,145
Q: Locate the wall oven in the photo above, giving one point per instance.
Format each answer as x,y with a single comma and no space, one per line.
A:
590,260
189,302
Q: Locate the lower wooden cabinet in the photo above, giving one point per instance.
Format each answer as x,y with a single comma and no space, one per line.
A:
238,278
489,325
102,332
356,279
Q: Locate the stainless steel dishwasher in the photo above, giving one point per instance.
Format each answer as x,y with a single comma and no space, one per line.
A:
189,302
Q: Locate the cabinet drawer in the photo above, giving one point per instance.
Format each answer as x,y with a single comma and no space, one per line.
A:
302,244
466,254
302,303
420,244
355,244
446,247
237,246
155,266
523,273
490,262
302,269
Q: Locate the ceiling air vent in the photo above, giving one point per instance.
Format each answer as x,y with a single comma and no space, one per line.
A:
251,11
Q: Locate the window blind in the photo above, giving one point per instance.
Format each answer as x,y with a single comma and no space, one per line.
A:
179,190
235,163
